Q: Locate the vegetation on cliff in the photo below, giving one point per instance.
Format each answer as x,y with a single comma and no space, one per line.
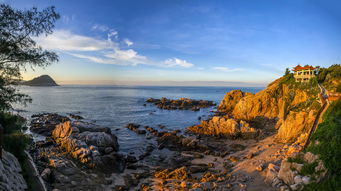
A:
326,142
331,78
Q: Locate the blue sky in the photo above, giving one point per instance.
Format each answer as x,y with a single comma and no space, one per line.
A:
227,42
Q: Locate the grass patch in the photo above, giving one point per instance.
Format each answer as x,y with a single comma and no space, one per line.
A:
296,160
308,169
328,134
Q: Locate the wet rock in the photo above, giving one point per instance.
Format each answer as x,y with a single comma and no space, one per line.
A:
181,104
45,123
86,126
180,142
77,117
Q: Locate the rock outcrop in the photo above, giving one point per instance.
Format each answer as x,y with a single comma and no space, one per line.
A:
43,80
231,99
96,149
182,103
45,123
294,106
10,173
225,126
90,144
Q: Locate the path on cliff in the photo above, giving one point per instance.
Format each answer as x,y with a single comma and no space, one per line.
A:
321,111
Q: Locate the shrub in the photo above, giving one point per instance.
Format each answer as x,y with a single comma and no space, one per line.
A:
15,141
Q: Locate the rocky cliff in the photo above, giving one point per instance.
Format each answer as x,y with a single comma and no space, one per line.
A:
44,80
231,99
292,104
10,173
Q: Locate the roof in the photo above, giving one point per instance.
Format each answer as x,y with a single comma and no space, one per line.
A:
299,67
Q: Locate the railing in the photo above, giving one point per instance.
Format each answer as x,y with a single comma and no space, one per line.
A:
320,112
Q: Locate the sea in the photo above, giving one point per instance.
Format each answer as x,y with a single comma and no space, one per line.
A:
116,106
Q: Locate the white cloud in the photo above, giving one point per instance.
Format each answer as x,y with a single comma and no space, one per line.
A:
171,62
128,42
226,69
107,51
65,40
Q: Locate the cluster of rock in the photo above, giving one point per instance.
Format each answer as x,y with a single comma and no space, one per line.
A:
45,123
290,173
10,173
225,126
181,104
188,178
175,141
96,147
170,140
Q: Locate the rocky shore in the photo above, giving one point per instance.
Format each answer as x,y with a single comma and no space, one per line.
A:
239,148
181,104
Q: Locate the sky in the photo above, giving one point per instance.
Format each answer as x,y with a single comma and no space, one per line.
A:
187,42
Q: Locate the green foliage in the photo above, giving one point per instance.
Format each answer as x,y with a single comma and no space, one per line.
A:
330,77
308,169
296,160
330,184
18,50
328,136
287,72
11,123
15,141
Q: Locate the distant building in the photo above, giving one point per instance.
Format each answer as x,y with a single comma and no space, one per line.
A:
303,74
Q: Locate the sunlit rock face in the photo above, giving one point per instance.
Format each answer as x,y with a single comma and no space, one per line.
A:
294,108
10,173
86,146
224,126
231,99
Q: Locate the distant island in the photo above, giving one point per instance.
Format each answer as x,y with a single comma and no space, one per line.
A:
43,80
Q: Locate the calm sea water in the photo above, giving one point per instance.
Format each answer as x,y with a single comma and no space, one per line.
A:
116,106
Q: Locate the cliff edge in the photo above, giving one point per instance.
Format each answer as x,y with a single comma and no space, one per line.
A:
292,105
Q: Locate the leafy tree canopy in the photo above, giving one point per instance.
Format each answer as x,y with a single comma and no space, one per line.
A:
18,50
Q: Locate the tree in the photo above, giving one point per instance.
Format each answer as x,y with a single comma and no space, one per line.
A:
287,71
18,50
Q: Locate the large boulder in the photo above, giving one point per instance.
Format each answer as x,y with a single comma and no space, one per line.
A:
10,173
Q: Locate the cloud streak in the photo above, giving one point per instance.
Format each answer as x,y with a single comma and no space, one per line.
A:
109,51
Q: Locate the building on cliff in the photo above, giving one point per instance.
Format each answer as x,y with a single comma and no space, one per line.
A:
303,74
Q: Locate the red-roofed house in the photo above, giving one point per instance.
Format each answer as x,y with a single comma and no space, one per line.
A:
303,74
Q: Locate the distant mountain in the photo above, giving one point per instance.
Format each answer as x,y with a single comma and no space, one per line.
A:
43,80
